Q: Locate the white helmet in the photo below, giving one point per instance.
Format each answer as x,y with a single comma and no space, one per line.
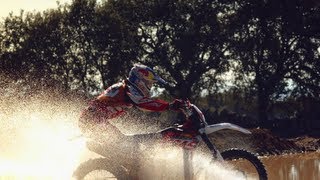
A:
143,77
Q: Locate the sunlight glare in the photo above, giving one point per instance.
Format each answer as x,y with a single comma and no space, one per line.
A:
37,142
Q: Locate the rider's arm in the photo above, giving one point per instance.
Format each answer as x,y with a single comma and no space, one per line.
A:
149,104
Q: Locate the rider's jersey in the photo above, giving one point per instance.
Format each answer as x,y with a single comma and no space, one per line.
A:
116,99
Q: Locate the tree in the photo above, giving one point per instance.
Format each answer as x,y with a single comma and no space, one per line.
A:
13,34
102,43
270,48
186,41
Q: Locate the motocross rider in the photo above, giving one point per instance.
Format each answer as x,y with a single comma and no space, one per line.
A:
119,97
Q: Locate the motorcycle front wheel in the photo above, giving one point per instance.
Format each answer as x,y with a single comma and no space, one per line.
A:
246,163
100,168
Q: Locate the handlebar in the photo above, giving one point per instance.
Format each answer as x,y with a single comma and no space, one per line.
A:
173,91
188,110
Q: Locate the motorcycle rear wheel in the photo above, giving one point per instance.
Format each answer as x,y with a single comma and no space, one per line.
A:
100,168
245,162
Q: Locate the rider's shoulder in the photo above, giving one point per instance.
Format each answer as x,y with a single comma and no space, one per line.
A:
117,85
114,89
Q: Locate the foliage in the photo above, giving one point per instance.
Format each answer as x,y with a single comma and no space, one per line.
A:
259,51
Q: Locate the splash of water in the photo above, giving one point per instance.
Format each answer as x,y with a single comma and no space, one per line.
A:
169,163
37,142
36,138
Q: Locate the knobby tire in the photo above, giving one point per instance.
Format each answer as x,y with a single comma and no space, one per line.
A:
234,154
100,164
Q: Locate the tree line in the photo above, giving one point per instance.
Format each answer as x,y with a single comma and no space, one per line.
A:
262,51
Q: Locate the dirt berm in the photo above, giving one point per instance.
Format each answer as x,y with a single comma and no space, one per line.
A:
264,142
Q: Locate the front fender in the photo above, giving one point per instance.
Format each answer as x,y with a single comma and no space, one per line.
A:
217,127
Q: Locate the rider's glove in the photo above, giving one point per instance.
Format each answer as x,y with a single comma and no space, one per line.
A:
178,105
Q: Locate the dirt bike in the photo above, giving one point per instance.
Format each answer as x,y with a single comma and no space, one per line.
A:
120,158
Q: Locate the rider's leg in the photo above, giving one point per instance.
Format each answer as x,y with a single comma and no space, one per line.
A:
95,124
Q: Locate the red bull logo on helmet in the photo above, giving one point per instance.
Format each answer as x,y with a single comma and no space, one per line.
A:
146,74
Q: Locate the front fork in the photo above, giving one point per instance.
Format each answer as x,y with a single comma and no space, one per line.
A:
215,153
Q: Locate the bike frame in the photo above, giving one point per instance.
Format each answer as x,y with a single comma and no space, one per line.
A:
176,135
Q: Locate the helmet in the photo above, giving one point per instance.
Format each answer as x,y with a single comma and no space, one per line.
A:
143,77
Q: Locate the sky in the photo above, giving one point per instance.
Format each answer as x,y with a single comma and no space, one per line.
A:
7,6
